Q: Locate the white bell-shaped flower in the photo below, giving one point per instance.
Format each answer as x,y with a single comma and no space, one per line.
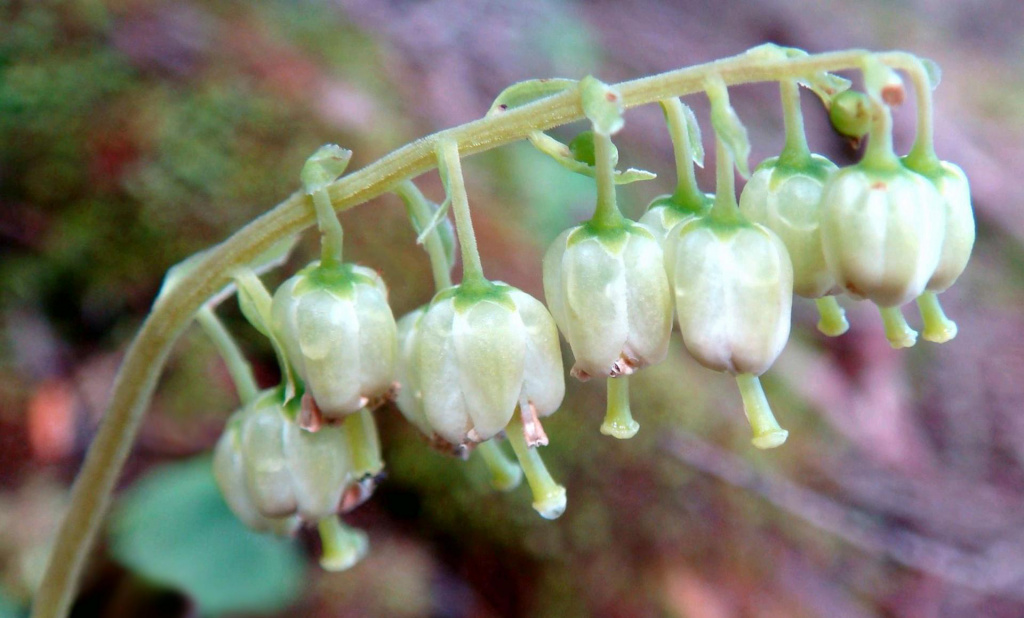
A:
882,232
229,472
787,201
958,240
339,333
609,294
733,285
287,470
477,355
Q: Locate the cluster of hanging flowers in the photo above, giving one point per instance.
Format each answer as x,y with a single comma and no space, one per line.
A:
481,361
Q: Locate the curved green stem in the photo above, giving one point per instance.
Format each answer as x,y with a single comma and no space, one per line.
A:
472,269
879,153
421,213
505,474
363,443
618,419
687,191
726,209
795,153
227,347
607,214
897,331
145,358
922,157
341,546
767,432
332,237
832,317
937,327
548,496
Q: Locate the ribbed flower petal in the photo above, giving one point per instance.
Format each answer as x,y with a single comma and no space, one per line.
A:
648,300
490,345
410,394
543,375
596,323
328,330
959,234
229,472
882,233
733,290
554,288
378,340
443,403
320,469
267,475
788,202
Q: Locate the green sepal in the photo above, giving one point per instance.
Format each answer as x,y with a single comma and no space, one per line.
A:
602,105
817,167
728,126
564,156
339,280
323,167
463,297
529,91
614,239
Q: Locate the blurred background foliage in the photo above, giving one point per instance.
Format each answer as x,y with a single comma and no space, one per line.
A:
136,132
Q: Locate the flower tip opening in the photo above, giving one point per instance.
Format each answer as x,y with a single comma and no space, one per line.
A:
552,504
622,431
937,327
770,439
897,331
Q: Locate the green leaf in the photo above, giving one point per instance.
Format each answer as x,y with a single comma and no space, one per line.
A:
174,528
564,156
528,91
602,105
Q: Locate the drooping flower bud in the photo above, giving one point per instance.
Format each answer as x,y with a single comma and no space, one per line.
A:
784,195
338,332
786,200
410,395
687,201
733,283
883,224
478,354
958,240
229,472
733,286
609,294
882,232
290,471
